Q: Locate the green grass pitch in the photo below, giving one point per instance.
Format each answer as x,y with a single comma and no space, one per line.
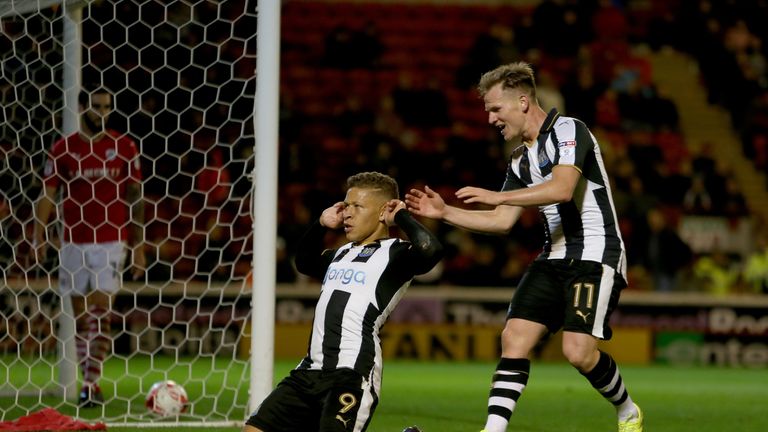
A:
451,397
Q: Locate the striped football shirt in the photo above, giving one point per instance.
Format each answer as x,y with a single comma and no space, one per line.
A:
361,285
586,227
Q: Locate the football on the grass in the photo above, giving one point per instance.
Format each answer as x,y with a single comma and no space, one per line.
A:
167,398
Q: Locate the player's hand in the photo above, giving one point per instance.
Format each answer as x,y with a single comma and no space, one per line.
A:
332,217
139,262
471,194
427,203
390,209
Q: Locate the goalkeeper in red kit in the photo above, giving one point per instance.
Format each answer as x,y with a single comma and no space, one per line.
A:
98,173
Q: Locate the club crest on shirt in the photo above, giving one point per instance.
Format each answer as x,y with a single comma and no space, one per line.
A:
543,160
367,251
110,154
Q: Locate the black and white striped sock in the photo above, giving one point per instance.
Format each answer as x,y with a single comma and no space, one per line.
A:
606,379
508,383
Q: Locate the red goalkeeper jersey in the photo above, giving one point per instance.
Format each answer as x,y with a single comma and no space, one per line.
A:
94,177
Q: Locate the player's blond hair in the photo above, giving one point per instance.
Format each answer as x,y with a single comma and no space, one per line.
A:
375,180
518,75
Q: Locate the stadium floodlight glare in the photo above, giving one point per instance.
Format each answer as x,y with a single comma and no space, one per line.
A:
183,74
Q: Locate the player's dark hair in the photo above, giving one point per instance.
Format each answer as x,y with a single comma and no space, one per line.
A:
518,75
375,180
84,98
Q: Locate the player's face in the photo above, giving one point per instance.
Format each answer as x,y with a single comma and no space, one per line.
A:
98,113
506,111
363,215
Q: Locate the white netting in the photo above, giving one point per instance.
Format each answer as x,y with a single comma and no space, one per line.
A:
183,78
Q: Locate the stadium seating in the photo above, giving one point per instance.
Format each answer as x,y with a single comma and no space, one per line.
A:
429,43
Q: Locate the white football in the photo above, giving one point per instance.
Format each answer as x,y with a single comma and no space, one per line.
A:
167,398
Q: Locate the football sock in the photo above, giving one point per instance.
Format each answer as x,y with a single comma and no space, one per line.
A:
98,343
606,379
81,343
508,383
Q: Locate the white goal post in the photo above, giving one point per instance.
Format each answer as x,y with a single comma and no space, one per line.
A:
185,78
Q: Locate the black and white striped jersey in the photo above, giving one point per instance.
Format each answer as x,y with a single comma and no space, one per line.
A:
585,228
361,286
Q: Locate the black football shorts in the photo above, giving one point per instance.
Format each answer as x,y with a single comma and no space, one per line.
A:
317,401
577,296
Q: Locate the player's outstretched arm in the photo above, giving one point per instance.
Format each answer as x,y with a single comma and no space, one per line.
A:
428,203
557,190
471,194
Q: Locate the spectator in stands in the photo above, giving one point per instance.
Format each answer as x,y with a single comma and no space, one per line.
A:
497,46
666,116
292,218
697,199
295,163
713,42
338,47
758,145
378,152
662,252
99,173
547,14
733,204
352,117
756,265
580,94
284,272
347,48
387,121
754,135
634,204
674,179
420,104
548,92
716,272
524,245
557,167
607,113
609,20
369,45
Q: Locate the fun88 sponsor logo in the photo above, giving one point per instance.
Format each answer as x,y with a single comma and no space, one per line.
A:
345,276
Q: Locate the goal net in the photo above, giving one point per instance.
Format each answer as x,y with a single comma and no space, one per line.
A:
182,73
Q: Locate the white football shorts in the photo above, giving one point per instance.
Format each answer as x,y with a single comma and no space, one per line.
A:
91,266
